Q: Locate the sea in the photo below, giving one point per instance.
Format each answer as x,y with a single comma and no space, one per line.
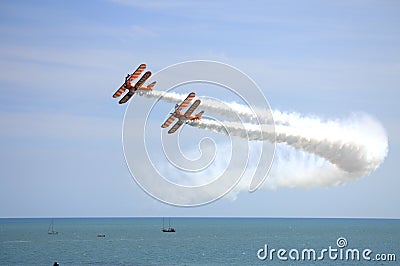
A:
200,241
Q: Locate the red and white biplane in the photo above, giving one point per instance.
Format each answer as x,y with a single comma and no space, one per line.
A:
183,117
138,86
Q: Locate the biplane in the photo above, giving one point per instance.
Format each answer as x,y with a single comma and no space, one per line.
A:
183,117
138,85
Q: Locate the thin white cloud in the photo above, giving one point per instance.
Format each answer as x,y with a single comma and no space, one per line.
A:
160,4
34,125
143,31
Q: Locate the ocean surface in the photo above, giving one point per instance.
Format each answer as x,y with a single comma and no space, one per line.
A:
200,241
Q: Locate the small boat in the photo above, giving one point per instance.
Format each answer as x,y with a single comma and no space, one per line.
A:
169,229
51,230
101,235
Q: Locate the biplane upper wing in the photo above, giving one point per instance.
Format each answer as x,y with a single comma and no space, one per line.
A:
192,108
168,121
119,91
186,102
137,85
134,75
175,127
137,72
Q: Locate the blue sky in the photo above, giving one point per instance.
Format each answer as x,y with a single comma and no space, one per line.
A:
60,62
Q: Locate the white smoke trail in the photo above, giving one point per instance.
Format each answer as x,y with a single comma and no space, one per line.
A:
297,169
212,106
355,146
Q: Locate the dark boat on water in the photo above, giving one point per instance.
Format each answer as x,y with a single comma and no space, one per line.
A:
169,229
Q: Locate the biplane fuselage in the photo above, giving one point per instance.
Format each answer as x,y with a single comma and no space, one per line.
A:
128,85
181,116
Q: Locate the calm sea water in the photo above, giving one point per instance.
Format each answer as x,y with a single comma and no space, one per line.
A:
197,241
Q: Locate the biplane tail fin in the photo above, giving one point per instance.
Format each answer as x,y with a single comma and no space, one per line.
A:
198,116
151,85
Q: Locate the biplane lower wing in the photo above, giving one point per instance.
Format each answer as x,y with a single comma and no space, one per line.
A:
126,97
175,127
168,121
142,80
192,108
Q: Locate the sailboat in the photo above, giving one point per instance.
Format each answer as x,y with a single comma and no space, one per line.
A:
51,229
169,229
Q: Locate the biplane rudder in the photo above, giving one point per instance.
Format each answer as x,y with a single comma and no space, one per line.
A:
198,116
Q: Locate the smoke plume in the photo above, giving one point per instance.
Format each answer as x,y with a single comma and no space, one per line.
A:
336,151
